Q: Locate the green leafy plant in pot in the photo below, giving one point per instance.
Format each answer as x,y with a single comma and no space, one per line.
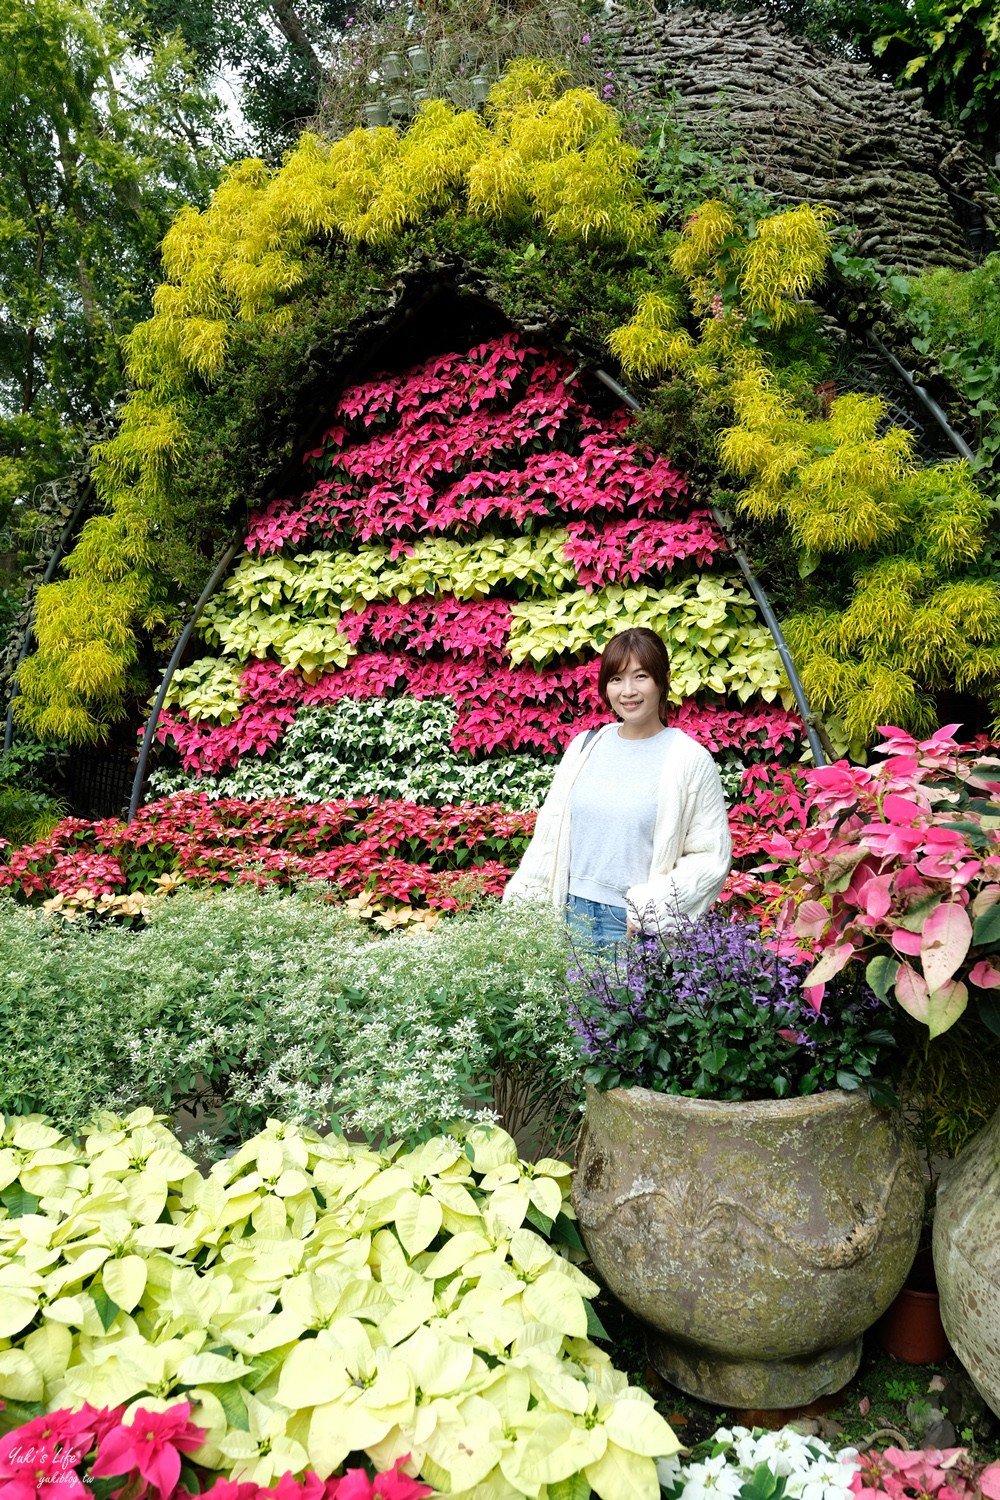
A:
745,1183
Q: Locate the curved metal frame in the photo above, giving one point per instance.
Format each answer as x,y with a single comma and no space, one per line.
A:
53,563
957,441
221,568
815,733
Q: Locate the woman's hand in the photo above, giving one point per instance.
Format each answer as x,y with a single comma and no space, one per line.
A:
631,928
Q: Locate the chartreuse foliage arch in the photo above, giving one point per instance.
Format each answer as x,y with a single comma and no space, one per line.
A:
919,610
546,155
552,162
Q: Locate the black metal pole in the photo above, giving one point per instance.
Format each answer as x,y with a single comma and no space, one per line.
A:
815,733
957,441
53,563
221,568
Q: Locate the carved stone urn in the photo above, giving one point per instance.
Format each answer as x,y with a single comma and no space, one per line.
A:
757,1240
967,1258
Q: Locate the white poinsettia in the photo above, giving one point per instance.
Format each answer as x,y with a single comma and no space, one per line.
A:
785,1452
713,1479
313,1298
805,1464
265,1450
826,1479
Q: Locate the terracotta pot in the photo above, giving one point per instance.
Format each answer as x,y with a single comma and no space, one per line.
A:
967,1258
758,1240
911,1329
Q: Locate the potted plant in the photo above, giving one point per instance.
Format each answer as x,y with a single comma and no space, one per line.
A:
744,1182
420,61
911,1329
901,869
445,53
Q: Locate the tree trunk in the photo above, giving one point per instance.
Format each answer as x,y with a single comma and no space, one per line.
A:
68,162
292,28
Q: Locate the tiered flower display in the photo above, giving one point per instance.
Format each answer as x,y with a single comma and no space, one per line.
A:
405,648
401,849
472,531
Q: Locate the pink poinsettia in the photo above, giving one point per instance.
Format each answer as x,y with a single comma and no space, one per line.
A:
500,707
393,1485
503,433
925,1474
898,866
152,1443
225,1489
44,1452
308,1487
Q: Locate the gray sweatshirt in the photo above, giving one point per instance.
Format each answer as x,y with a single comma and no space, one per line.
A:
613,816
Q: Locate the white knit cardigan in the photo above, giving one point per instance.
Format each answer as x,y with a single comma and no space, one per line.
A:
692,849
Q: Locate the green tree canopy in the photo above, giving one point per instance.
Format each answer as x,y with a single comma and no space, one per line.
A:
275,52
105,131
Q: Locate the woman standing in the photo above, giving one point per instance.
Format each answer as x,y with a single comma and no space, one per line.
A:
634,829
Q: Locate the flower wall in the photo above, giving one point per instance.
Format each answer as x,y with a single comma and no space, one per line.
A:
470,533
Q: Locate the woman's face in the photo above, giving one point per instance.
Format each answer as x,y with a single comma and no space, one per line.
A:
634,696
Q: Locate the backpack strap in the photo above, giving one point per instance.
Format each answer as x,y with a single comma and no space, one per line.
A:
587,738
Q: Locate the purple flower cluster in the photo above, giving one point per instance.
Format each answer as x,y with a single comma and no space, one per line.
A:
709,1008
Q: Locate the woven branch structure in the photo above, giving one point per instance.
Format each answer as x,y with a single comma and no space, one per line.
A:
814,128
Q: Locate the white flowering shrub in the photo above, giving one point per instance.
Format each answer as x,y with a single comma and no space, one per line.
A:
314,1299
238,1005
740,1464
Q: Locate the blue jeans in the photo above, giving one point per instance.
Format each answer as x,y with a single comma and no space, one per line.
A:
595,923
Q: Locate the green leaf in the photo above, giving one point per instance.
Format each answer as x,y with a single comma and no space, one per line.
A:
566,1233
18,1202
541,1221
595,1328
577,1487
986,928
107,1310
106,1486
21,1411
764,1484
881,974
232,1403
881,1094
989,1013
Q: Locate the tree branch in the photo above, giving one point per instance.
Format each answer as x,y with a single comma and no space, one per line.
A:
295,32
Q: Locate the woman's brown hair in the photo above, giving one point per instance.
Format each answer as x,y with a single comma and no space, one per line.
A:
644,647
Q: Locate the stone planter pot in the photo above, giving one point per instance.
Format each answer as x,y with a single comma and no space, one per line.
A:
967,1258
759,1241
